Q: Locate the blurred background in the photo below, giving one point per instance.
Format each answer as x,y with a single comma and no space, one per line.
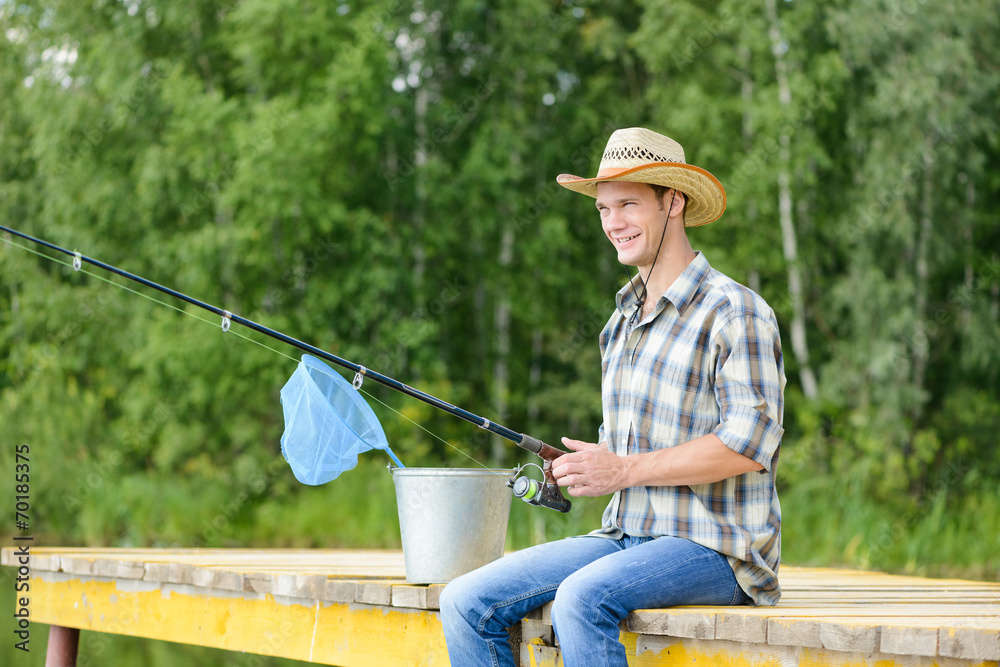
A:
378,179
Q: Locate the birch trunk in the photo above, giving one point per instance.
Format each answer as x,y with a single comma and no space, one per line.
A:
746,96
921,347
970,203
501,379
535,376
419,161
800,348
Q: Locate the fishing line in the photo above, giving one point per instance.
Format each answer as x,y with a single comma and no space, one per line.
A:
57,260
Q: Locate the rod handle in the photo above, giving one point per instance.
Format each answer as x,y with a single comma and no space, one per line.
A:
536,446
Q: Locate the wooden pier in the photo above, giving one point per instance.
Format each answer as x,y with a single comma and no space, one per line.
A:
353,608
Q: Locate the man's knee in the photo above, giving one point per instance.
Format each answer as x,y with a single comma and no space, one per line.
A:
454,602
584,594
572,597
463,600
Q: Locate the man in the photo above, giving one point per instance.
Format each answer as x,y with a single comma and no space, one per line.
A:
692,395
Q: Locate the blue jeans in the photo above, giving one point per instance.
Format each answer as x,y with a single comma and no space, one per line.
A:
594,581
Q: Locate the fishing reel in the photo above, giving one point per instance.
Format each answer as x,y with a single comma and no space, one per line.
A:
533,492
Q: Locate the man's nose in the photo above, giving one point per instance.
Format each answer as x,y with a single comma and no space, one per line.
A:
614,219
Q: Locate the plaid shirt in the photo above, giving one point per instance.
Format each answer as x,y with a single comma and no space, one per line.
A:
708,360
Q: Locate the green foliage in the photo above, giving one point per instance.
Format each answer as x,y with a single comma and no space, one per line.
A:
378,179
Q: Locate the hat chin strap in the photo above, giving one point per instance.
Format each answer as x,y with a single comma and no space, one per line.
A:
642,299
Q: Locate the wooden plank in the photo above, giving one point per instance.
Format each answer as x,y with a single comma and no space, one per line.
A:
340,590
375,593
902,640
434,596
417,596
741,628
794,632
414,597
924,609
254,583
969,643
849,637
218,579
695,624
117,568
311,586
76,564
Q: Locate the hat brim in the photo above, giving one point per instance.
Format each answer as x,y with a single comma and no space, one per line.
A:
706,198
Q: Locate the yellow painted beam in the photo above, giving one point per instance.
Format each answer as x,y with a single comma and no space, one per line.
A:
659,651
334,634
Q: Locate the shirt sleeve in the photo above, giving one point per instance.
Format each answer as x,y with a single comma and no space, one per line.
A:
749,385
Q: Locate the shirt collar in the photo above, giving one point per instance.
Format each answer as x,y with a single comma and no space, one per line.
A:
680,293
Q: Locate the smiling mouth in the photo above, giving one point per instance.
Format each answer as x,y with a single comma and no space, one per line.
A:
626,239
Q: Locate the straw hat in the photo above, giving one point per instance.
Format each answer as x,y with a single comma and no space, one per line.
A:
643,156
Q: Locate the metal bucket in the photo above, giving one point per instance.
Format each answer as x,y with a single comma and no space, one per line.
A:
452,520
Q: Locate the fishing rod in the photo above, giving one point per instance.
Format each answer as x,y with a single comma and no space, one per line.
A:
546,495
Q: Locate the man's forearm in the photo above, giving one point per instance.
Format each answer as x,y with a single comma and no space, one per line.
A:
699,461
591,470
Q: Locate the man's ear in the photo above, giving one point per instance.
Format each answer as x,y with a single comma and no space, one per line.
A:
679,202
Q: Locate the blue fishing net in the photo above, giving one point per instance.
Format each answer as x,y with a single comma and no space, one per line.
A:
327,424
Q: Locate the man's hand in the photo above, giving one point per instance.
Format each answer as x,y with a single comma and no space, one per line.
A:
591,470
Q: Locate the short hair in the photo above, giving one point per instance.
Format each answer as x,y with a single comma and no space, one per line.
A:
661,190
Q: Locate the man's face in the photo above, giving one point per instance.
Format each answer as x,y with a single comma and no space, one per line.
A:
633,220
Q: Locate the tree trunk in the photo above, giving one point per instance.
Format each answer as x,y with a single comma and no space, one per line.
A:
921,347
420,190
800,348
970,202
535,376
746,96
501,379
